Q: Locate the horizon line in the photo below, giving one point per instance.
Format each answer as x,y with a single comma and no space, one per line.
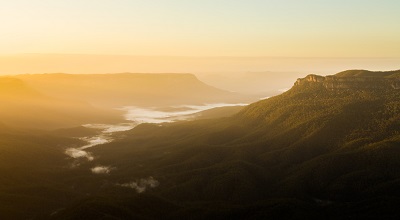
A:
193,56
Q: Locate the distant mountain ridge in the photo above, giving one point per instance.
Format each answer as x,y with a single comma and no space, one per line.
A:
121,89
355,79
24,106
15,87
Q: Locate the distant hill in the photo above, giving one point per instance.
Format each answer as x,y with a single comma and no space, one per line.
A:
15,88
23,106
116,90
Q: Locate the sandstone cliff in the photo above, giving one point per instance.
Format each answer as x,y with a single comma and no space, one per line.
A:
356,79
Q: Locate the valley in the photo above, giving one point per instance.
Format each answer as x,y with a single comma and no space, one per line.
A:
199,110
311,152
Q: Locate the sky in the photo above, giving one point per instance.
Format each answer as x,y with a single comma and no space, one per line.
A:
239,28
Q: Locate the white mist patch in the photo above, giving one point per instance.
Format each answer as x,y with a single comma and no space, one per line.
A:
141,185
101,170
93,141
81,153
108,128
78,153
103,138
137,115
154,115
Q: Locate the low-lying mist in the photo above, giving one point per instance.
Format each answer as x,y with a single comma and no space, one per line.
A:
135,116
141,185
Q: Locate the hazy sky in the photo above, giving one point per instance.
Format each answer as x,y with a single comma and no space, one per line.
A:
294,28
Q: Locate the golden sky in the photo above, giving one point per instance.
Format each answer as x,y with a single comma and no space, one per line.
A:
278,28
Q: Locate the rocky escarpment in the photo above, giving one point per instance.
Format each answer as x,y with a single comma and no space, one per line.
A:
338,82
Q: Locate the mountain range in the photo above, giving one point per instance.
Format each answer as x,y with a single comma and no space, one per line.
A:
313,152
51,101
116,90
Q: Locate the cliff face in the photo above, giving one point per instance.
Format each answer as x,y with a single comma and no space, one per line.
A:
351,82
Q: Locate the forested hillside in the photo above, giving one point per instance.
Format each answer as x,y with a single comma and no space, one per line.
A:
308,153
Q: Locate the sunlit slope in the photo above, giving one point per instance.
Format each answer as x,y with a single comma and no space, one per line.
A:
118,90
310,150
23,106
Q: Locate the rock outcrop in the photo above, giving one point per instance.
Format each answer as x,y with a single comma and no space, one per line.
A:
351,82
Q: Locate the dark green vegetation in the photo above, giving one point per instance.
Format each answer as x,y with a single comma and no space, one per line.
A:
309,153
